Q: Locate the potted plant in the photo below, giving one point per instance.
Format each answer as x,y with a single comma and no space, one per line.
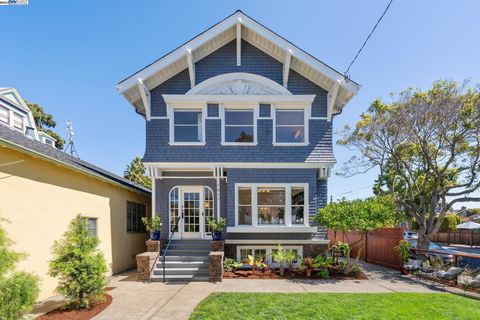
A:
153,225
217,225
403,249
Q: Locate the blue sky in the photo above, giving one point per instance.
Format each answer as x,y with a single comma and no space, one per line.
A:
69,55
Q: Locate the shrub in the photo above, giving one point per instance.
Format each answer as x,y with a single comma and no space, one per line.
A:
79,266
18,290
231,265
323,274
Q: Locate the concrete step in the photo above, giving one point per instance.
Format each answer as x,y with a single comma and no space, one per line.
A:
187,252
182,264
184,246
184,258
182,271
178,278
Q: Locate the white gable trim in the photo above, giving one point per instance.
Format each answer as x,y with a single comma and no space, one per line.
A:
238,17
231,79
145,94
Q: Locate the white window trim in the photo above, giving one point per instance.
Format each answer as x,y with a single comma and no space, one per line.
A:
255,227
306,116
171,117
268,250
239,106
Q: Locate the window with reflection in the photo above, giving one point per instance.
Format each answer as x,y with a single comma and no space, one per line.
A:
298,205
239,126
208,206
245,206
289,126
271,205
188,126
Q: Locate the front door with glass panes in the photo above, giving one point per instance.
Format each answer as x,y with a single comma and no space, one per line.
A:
191,206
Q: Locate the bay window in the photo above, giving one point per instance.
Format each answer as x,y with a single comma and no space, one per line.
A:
289,126
271,204
265,253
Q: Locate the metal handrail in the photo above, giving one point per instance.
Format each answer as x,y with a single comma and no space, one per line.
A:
168,245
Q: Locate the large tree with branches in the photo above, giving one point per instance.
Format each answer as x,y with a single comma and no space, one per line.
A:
426,145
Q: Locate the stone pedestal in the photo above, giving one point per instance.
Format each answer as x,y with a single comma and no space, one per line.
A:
217,246
215,266
154,245
145,263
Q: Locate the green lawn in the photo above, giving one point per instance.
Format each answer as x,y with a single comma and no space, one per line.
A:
229,306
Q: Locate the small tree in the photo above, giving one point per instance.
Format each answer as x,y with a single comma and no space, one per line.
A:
18,289
44,121
79,266
135,172
359,215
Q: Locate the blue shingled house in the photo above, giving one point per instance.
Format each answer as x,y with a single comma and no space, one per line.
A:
238,125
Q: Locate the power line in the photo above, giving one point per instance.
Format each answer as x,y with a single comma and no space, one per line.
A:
346,75
341,194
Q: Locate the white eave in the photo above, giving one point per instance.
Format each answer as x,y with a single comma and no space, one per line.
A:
229,29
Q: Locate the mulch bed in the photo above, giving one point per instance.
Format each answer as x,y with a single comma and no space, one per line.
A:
59,314
295,274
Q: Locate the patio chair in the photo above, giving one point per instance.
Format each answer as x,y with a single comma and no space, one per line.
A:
451,274
413,265
475,283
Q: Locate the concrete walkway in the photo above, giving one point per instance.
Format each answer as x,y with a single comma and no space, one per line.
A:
134,300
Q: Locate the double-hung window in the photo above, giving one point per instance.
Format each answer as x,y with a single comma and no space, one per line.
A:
239,126
188,126
4,115
271,204
92,226
18,121
290,126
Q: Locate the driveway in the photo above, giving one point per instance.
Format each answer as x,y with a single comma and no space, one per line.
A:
135,300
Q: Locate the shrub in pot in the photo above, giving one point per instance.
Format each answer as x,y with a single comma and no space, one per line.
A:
216,225
403,249
153,225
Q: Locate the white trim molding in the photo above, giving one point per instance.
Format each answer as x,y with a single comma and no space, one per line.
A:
239,83
239,165
172,99
276,242
286,67
271,229
239,42
145,93
191,68
331,97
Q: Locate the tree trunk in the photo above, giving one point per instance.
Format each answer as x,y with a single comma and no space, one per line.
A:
423,239
282,270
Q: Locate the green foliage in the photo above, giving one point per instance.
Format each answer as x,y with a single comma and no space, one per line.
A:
152,224
359,215
425,146
449,223
216,224
135,172
323,274
255,263
78,265
230,265
44,121
403,249
284,257
18,290
473,211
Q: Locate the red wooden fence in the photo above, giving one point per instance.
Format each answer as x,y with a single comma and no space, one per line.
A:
466,237
378,245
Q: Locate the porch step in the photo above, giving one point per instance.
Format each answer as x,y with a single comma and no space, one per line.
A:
187,252
185,260
179,278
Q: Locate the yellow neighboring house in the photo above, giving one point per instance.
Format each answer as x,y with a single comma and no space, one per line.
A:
43,188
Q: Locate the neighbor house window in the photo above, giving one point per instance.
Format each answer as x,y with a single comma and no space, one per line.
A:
135,213
4,115
274,204
271,205
245,206
289,126
187,126
239,126
18,121
92,227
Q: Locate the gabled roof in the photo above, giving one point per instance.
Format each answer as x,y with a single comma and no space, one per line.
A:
15,140
222,33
